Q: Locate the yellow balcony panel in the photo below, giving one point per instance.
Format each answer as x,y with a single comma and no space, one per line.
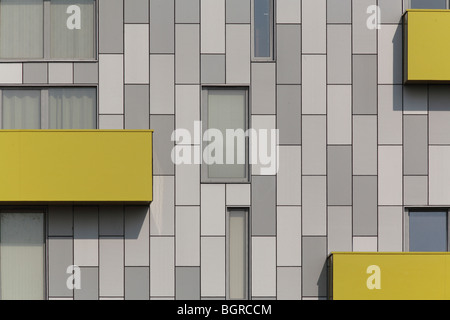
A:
426,46
389,276
75,166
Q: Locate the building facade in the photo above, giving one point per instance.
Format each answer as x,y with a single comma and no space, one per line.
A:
361,161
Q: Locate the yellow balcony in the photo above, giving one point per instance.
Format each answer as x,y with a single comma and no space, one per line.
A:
389,276
426,46
75,166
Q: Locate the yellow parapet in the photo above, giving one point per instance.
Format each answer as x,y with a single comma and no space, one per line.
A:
76,166
389,276
426,46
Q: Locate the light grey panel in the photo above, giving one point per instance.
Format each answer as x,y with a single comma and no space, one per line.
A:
136,11
162,266
314,150
60,220
339,175
365,156
365,205
187,11
314,205
289,54
391,11
162,209
415,145
314,268
137,233
163,127
187,53
339,54
263,88
187,283
162,24
237,11
213,68
339,229
339,11
415,190
89,284
263,206
85,73
110,26
439,114
35,73
111,266
364,84
137,108
60,257
289,112
289,283
111,220
364,38
110,121
137,283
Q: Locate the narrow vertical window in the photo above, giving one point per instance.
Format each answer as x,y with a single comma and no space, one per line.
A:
237,250
22,256
262,25
225,145
21,109
21,29
72,108
428,231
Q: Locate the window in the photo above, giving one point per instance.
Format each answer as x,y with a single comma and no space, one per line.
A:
52,108
21,255
47,29
225,141
262,29
427,230
428,4
237,254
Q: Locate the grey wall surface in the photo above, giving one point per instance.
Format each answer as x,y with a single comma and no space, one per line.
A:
356,146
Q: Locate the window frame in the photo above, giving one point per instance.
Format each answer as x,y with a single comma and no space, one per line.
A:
248,282
407,212
46,40
45,103
44,211
204,120
272,33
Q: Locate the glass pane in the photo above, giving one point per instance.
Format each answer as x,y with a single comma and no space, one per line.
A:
22,256
262,28
227,111
71,108
21,109
428,231
428,4
21,29
237,244
72,29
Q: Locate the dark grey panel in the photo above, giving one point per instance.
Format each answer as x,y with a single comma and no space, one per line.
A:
85,73
314,268
365,210
289,114
136,11
213,68
111,221
237,11
187,11
137,283
89,284
35,73
339,175
137,107
162,24
365,84
415,145
60,220
187,285
110,26
60,257
263,206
